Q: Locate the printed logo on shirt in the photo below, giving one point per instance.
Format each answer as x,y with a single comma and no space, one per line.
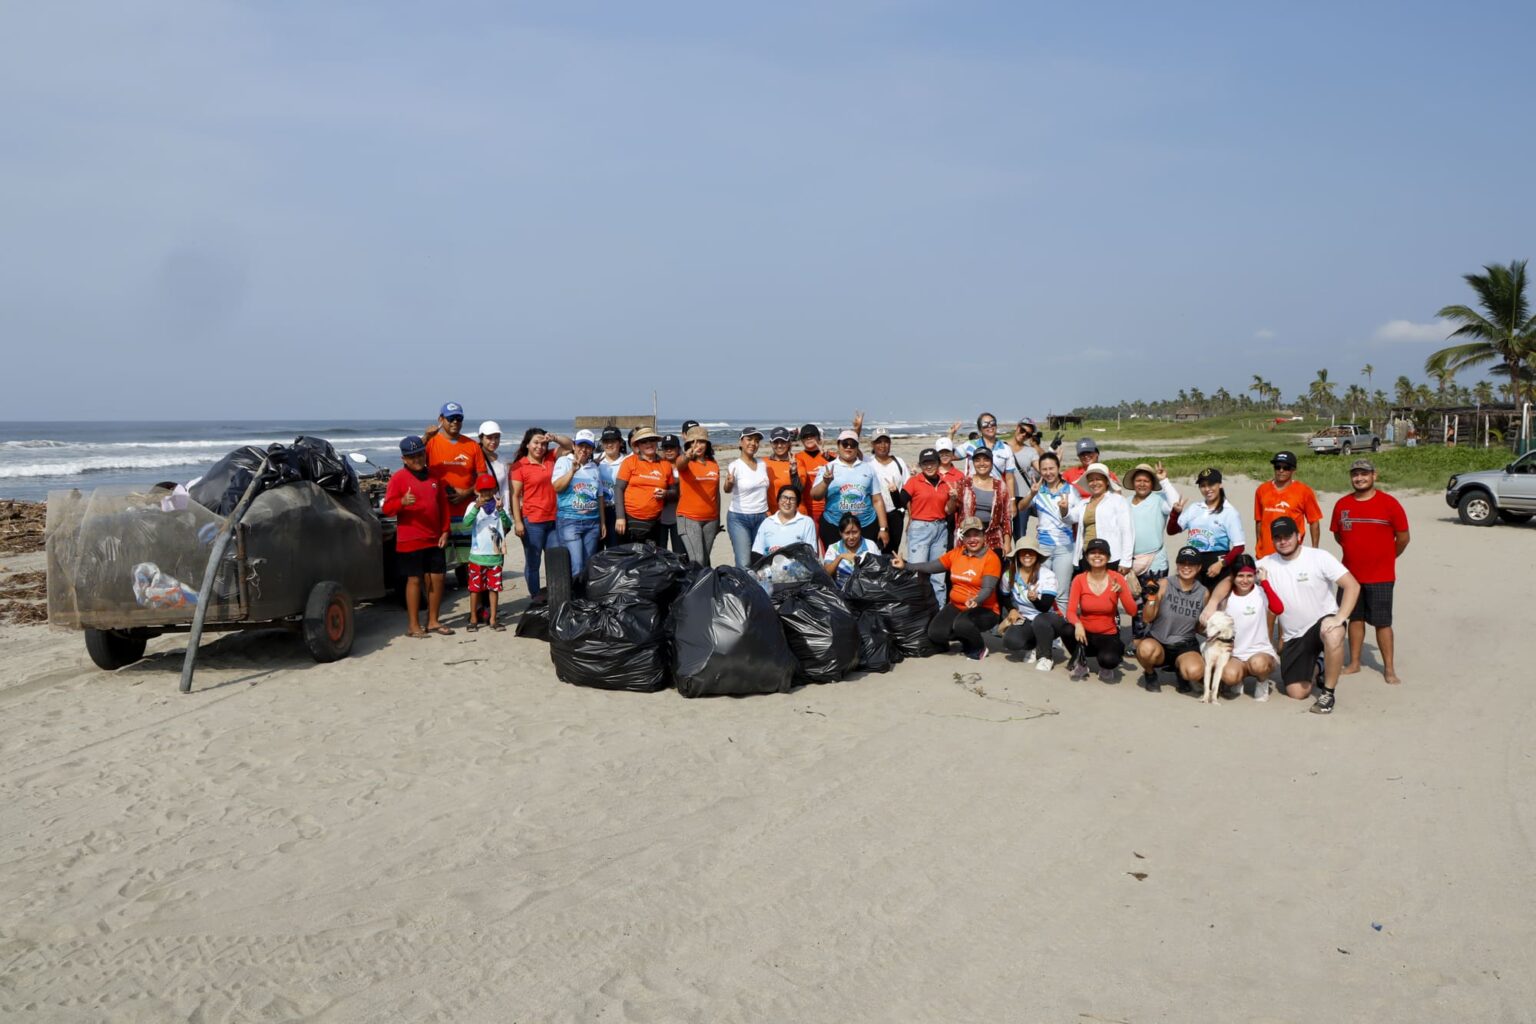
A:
1347,520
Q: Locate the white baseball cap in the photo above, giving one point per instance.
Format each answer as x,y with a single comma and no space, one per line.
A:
489,427
585,437
944,444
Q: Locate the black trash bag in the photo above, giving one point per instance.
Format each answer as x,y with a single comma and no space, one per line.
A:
620,644
634,570
534,625
319,463
726,638
219,489
876,653
907,627
802,553
821,630
875,581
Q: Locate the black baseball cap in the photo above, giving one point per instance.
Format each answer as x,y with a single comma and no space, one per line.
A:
612,434
1285,526
1188,556
927,455
1209,476
670,441
1097,544
780,434
809,430
1284,459
686,425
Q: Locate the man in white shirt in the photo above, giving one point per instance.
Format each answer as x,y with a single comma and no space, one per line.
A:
1314,621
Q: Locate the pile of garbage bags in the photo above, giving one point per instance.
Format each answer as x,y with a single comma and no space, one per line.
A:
901,600
308,458
649,619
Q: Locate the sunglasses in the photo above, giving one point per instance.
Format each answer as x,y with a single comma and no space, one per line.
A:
847,444
987,423
454,419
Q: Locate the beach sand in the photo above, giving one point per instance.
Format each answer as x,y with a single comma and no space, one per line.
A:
442,831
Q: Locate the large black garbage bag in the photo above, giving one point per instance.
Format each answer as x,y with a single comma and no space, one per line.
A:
726,638
534,625
799,565
634,570
876,653
319,463
821,630
219,489
903,598
620,644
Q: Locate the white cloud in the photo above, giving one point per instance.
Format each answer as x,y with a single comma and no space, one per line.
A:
1264,333
1408,331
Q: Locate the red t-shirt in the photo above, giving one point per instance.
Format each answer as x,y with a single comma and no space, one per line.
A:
538,492
928,498
1367,532
419,525
641,481
1097,611
966,573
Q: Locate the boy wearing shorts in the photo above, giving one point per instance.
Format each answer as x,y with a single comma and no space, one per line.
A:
488,525
419,503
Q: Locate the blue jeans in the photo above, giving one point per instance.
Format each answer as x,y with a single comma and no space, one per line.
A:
742,528
1060,561
579,537
536,538
925,542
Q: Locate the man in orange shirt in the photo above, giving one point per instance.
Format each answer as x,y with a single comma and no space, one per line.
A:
698,495
641,489
1284,496
456,462
974,570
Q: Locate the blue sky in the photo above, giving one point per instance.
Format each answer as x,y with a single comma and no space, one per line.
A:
364,208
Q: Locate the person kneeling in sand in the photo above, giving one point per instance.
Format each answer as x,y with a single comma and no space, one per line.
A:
1172,610
973,574
1248,599
1313,622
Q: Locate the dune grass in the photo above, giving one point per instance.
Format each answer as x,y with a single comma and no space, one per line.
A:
1406,469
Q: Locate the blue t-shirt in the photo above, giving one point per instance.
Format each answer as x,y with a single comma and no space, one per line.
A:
850,489
1150,519
845,568
608,472
1055,530
1212,531
579,499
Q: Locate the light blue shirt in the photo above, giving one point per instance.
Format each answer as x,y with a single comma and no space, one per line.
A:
1055,531
579,499
774,534
850,489
1212,531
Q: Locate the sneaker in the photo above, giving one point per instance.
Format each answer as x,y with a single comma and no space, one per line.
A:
1185,686
1044,664
1149,682
1080,671
1324,705
1261,690
1058,647
978,655
1108,675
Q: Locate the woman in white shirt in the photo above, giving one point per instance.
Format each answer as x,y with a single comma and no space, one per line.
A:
746,481
1104,515
786,526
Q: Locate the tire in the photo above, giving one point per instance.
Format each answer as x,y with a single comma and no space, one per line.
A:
1515,518
557,578
111,650
1476,508
1345,449
328,622
1375,445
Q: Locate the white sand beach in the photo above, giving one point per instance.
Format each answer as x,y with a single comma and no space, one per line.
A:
442,831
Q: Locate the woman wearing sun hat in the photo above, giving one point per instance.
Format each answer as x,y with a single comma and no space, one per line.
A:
972,607
1105,515
1152,498
698,495
1029,587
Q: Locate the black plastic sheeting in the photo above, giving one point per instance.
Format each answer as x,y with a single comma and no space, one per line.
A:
821,630
876,652
620,644
903,599
308,458
726,638
635,570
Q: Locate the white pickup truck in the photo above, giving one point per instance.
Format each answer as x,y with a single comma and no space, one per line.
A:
1343,440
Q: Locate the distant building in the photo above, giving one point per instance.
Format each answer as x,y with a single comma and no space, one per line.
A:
1055,422
1187,412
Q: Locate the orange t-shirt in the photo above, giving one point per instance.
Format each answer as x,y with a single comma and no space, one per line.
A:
1297,502
808,466
457,464
698,490
778,476
966,573
642,480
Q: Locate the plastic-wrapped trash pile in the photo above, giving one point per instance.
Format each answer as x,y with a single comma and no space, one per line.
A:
648,619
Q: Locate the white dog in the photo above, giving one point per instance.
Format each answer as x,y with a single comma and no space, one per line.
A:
1217,651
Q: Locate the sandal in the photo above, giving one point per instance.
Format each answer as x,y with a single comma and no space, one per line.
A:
441,631
499,627
417,635
473,627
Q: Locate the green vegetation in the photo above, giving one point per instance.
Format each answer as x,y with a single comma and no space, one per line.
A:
1250,430
1402,469
1503,333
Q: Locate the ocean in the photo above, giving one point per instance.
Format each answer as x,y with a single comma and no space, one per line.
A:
38,457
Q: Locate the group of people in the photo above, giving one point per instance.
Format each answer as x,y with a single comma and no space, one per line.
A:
1048,556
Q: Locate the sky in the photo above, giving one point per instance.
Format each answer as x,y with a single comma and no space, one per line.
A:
366,208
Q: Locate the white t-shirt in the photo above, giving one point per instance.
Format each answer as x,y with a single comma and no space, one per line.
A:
749,487
893,473
1305,585
1250,624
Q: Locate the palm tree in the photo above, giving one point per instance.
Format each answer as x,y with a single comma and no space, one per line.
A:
1504,332
1482,392
1402,389
1354,397
1321,390
1445,381
1366,371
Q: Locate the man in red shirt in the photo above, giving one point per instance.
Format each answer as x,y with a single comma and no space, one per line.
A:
419,501
1372,530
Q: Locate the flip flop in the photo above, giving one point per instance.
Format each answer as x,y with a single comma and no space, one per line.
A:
417,636
473,627
441,631
499,627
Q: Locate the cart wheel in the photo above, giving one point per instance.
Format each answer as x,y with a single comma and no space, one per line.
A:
557,578
112,650
328,624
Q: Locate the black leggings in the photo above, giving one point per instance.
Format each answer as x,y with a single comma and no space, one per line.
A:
1037,634
961,624
1107,648
894,520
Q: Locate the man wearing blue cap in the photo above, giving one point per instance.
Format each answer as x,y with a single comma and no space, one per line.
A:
456,462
